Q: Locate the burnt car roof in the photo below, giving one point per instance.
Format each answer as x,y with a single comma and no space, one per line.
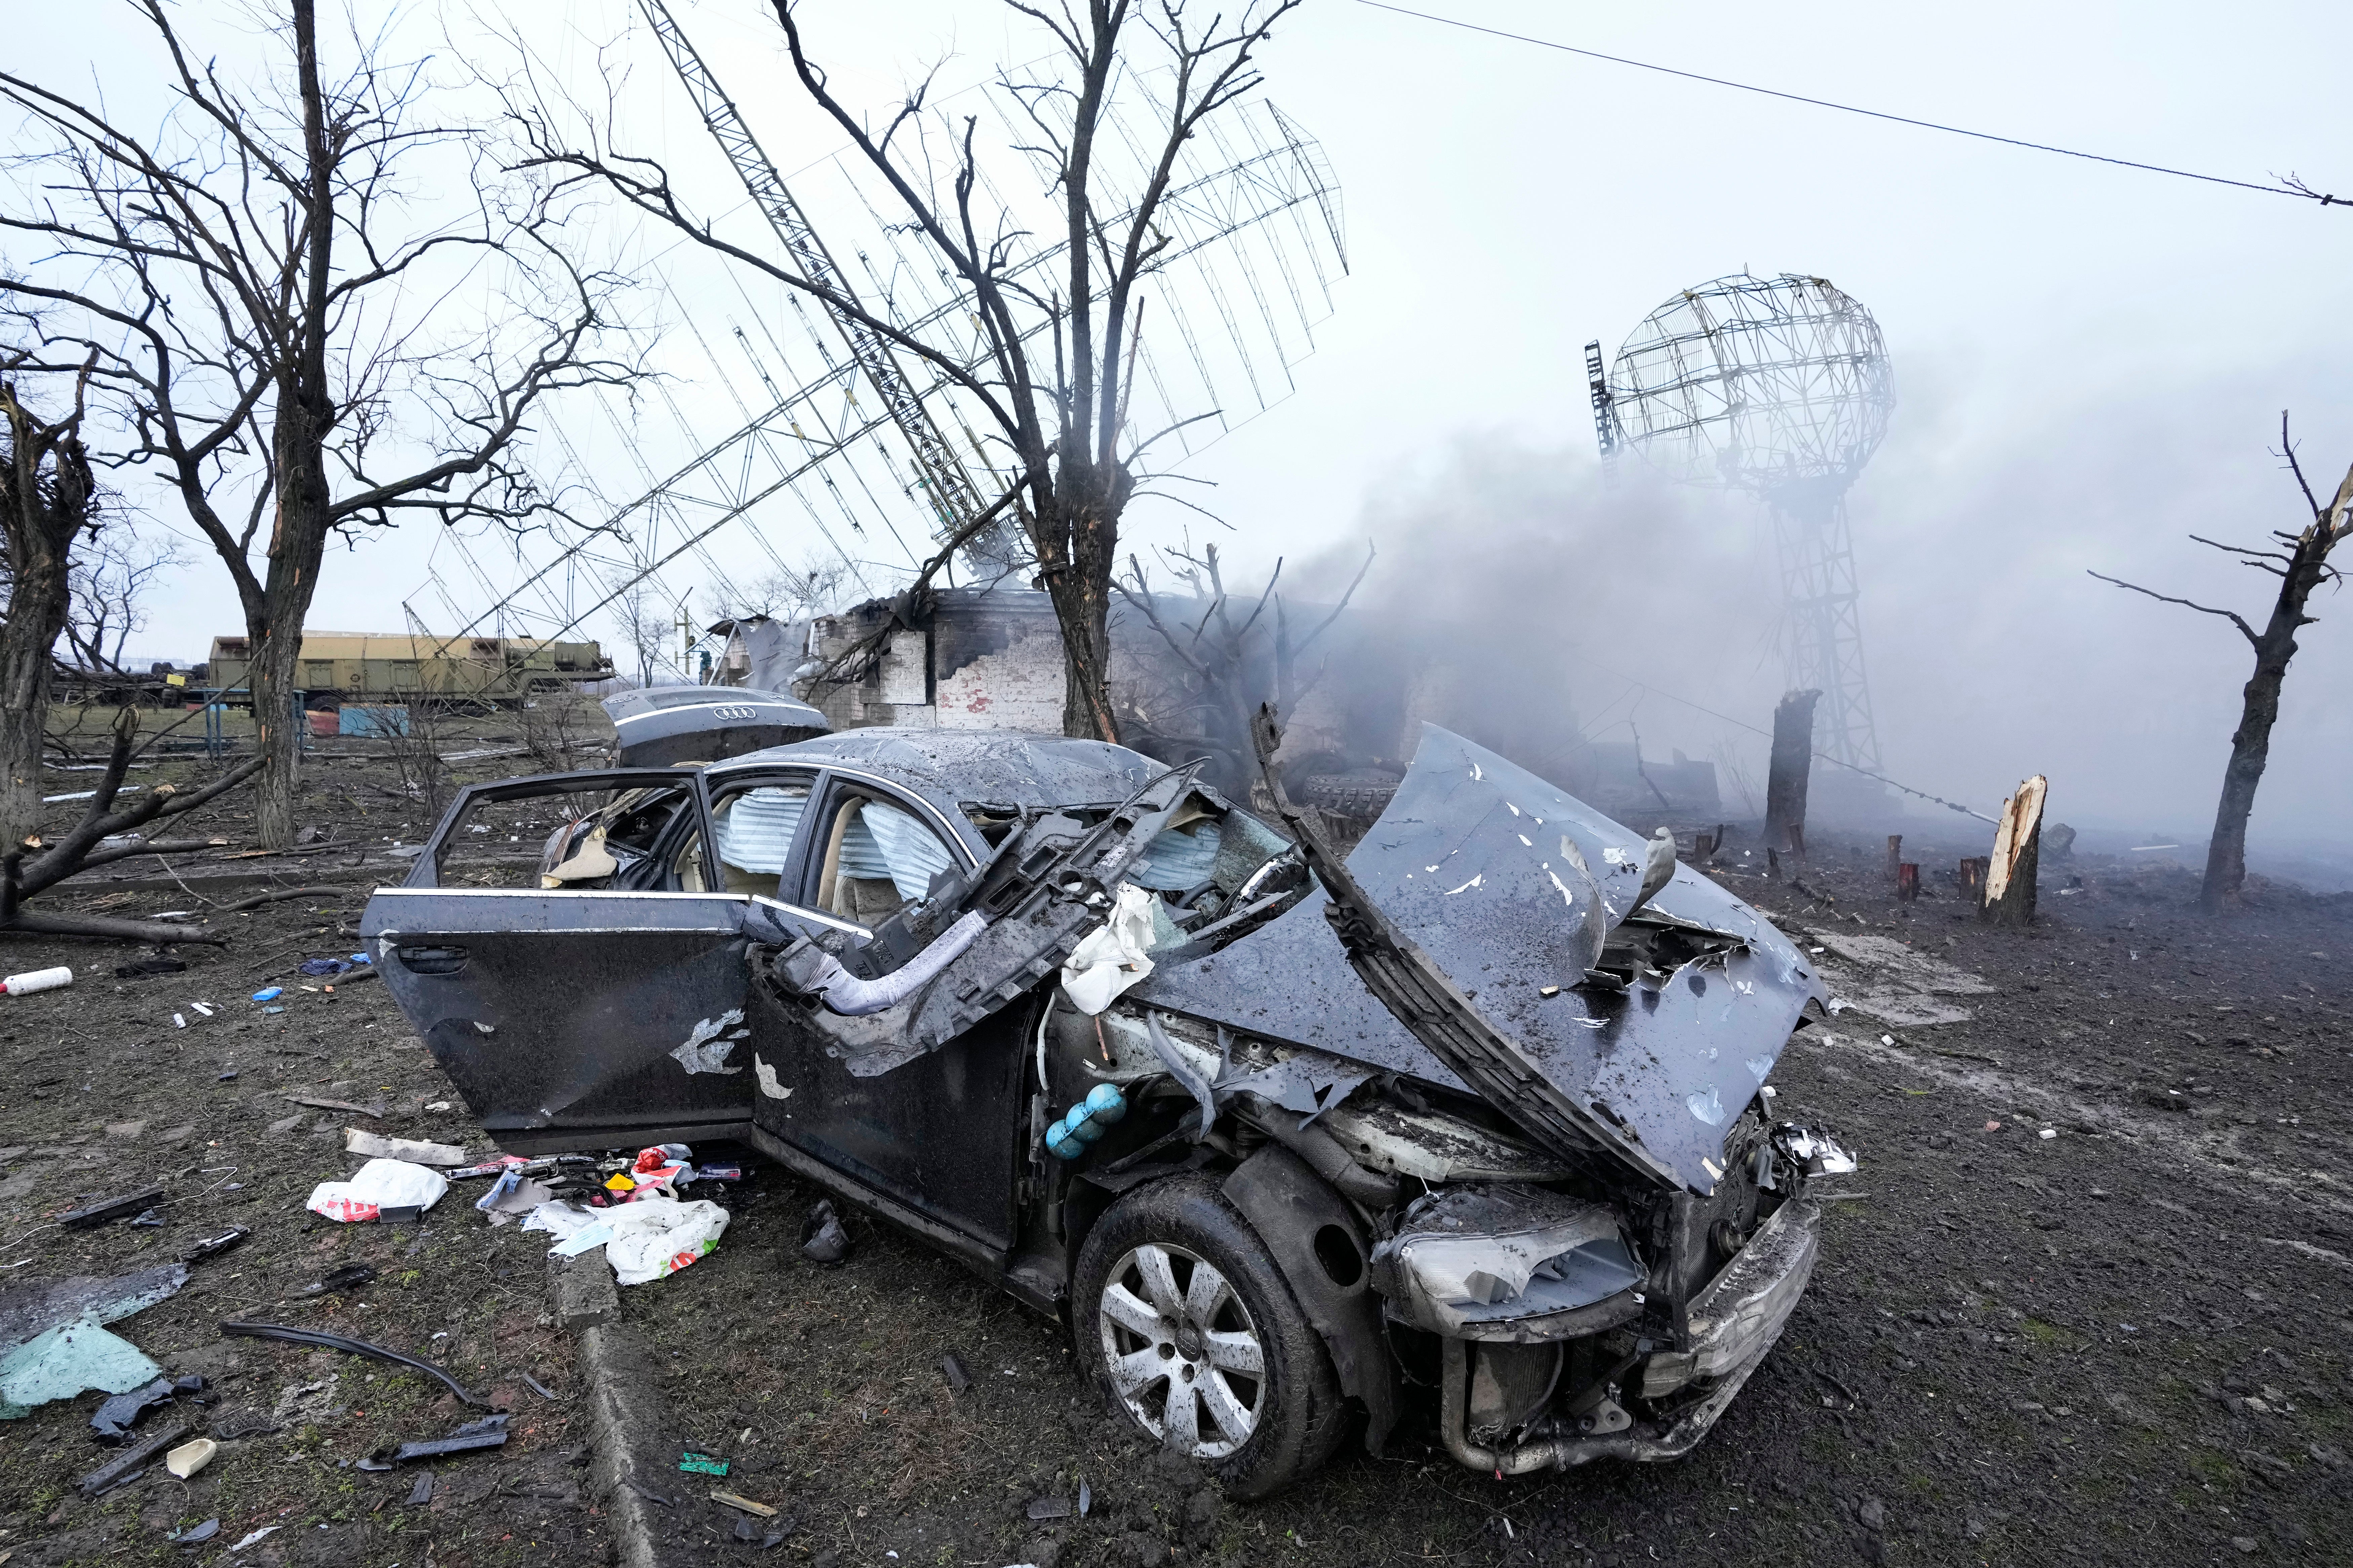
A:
989,767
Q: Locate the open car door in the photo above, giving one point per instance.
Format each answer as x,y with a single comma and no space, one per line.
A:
582,994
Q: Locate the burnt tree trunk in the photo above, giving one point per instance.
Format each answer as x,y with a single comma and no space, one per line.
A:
2017,856
304,419
46,495
2301,567
1787,773
2251,744
1076,532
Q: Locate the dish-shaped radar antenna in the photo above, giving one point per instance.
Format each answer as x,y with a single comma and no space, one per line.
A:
1780,387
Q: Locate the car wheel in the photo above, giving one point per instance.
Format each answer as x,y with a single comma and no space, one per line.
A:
1184,1320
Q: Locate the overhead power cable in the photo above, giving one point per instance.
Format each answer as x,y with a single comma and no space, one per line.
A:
2291,186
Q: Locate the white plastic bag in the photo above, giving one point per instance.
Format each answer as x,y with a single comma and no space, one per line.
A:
378,1186
1110,959
661,1237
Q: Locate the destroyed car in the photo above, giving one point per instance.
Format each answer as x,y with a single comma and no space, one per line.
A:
1484,1106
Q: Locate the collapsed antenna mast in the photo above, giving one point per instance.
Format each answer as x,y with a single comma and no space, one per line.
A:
1254,241
947,487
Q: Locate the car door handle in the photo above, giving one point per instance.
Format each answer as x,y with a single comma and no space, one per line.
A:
431,960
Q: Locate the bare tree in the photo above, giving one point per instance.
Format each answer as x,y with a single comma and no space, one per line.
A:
645,623
266,288
110,583
47,498
815,588
1238,661
2301,567
1054,375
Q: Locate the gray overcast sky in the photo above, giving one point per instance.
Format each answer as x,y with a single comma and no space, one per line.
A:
2090,361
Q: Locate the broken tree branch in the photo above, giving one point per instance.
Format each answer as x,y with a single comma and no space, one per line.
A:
2232,615
279,895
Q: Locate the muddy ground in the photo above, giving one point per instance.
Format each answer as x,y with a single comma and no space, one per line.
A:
2124,1342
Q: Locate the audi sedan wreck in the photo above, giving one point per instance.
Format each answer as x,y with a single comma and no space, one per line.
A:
1484,1105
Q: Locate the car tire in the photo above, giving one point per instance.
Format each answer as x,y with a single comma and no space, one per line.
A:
1226,1356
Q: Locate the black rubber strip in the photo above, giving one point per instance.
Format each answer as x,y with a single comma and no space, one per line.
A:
352,1347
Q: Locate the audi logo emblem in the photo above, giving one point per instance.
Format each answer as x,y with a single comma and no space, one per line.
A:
732,712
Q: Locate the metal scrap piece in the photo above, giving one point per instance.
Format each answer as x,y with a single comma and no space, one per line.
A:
106,1209
133,1460
489,1432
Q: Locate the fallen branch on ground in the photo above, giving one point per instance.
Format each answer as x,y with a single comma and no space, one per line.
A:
22,878
276,894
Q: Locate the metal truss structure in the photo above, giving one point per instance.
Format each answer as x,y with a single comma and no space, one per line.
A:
870,451
1780,387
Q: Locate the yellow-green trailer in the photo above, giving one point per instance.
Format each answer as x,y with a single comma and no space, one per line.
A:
403,667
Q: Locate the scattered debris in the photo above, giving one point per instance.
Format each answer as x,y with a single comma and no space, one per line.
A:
643,1241
760,1509
214,1245
489,1432
350,1277
189,1458
52,1348
352,1347
270,994
301,1402
34,980
702,1465
195,1534
132,1461
229,1426
422,1492
824,1242
953,1370
148,968
377,1188
109,1209
257,1535
416,1151
113,1419
1044,1508
513,1195
373,1111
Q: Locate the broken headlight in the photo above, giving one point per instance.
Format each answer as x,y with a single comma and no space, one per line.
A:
1812,1150
1509,1262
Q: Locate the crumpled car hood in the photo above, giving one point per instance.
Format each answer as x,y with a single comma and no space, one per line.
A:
1471,862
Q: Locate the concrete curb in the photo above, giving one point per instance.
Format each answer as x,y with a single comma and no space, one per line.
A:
616,1377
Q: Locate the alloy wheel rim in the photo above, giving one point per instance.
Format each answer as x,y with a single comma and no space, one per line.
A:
1184,1355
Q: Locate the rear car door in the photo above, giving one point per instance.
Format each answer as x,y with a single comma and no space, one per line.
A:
560,951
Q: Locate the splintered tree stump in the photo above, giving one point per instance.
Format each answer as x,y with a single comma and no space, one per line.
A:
1907,880
1788,772
1973,874
2017,853
1894,857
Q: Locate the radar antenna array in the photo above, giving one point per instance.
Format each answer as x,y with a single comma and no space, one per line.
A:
1778,387
1255,243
